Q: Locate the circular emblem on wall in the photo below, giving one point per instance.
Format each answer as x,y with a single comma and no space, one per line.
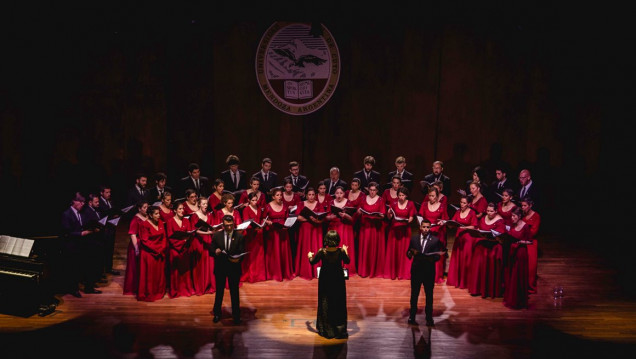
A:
297,66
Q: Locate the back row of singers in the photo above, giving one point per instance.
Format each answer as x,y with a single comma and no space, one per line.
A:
236,179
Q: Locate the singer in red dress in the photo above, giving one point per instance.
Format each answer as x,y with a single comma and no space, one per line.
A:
179,259
131,278
215,198
533,219
278,257
152,259
202,262
309,235
461,254
401,214
166,207
228,209
322,197
255,184
290,198
478,201
343,224
505,207
390,195
191,202
486,266
372,246
516,269
436,213
253,266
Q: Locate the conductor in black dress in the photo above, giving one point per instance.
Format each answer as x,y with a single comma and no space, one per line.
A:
422,250
225,244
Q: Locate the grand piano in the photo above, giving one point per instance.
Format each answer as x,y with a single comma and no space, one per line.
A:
26,275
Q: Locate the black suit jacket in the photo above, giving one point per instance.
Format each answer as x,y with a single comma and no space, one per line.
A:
495,192
188,183
154,195
71,226
446,182
272,181
423,263
222,265
134,196
407,180
534,193
332,190
228,181
374,176
301,184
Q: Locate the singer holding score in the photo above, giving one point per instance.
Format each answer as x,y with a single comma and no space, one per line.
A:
226,247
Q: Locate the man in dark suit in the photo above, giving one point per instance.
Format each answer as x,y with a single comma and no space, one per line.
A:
500,184
92,245
527,188
234,179
334,181
268,178
225,244
400,170
72,235
438,175
138,192
156,192
194,180
422,250
367,174
298,181
106,208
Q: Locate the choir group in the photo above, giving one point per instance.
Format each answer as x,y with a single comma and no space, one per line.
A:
494,252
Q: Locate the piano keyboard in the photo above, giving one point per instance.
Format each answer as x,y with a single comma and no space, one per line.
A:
19,274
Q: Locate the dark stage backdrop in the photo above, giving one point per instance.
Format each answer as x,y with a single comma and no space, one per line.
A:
94,95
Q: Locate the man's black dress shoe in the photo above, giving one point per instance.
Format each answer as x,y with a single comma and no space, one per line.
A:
412,321
216,319
92,291
114,272
237,322
430,323
76,294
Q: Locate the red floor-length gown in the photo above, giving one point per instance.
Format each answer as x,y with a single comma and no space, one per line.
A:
202,261
533,221
131,278
372,240
309,240
253,266
516,270
180,263
344,227
396,263
486,265
440,232
278,257
152,262
461,254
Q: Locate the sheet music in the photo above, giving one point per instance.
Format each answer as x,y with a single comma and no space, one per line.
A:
4,242
16,246
290,221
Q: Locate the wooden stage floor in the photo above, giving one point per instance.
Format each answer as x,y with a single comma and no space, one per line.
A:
593,320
